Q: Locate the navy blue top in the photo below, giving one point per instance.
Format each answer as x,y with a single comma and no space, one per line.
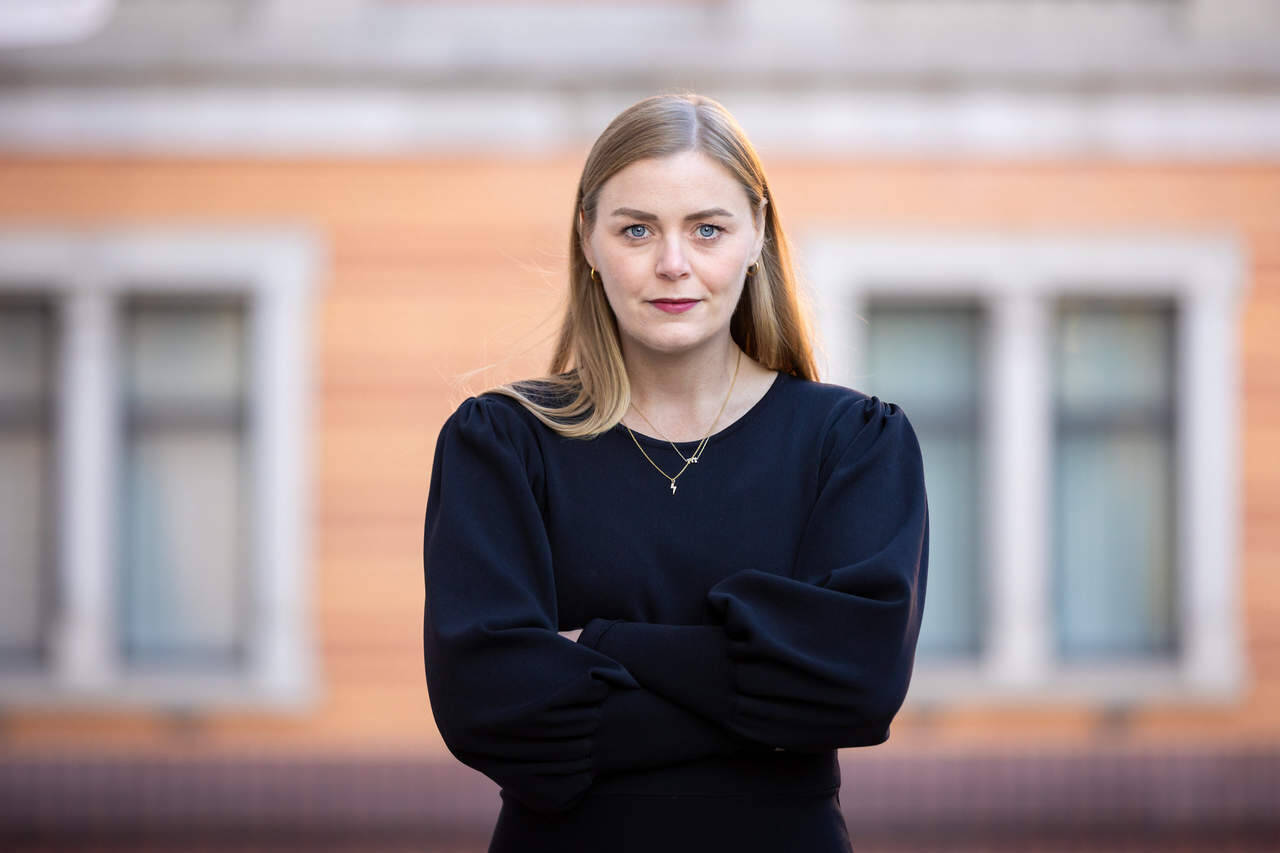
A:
736,632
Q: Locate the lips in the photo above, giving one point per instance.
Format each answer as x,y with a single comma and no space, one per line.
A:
674,306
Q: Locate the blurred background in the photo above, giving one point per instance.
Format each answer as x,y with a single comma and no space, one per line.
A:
251,249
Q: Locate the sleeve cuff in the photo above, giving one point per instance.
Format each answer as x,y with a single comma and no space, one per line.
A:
686,664
594,630
639,730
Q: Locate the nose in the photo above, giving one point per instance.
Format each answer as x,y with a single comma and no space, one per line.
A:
672,263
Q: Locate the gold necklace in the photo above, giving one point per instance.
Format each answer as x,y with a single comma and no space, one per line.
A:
701,445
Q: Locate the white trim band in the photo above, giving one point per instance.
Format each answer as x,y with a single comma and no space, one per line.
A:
281,121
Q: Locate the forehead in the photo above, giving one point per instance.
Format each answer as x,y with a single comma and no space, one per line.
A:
672,183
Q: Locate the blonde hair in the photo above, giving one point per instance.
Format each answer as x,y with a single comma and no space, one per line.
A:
769,323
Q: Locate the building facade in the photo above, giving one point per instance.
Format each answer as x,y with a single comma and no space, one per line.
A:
249,252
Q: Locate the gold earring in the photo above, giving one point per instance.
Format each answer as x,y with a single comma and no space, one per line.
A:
594,277
754,268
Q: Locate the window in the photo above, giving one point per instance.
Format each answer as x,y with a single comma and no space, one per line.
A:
1076,402
153,432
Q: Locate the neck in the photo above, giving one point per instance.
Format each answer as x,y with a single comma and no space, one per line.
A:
683,393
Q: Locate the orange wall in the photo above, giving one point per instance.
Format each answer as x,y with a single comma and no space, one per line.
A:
441,266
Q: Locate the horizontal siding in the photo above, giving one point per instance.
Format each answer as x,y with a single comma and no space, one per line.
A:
439,267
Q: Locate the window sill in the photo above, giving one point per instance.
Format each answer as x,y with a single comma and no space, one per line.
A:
158,693
1098,685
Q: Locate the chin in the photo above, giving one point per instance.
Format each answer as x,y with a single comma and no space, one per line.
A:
673,343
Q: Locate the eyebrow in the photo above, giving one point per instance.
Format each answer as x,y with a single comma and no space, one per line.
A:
649,217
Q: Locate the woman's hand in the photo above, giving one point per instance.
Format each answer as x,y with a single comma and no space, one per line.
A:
571,635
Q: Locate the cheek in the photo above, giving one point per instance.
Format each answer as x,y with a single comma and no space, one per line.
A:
724,271
631,270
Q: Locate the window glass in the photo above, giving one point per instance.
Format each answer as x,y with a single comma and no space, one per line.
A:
184,509
927,358
27,569
1114,479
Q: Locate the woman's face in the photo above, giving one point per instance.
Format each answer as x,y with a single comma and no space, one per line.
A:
673,228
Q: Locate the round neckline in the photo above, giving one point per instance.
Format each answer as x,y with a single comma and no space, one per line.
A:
778,379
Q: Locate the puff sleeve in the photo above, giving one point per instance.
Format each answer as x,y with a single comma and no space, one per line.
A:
819,657
541,715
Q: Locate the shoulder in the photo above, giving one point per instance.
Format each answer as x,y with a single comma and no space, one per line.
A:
490,422
853,421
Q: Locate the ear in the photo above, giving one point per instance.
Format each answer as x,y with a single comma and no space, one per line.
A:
582,238
759,224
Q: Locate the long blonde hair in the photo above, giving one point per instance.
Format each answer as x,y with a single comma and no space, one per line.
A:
769,323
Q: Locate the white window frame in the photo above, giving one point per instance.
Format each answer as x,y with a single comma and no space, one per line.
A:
87,273
1017,278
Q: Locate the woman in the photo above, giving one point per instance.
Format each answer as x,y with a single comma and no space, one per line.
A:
665,584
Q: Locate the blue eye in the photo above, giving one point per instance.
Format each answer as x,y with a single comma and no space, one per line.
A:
627,230
715,229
